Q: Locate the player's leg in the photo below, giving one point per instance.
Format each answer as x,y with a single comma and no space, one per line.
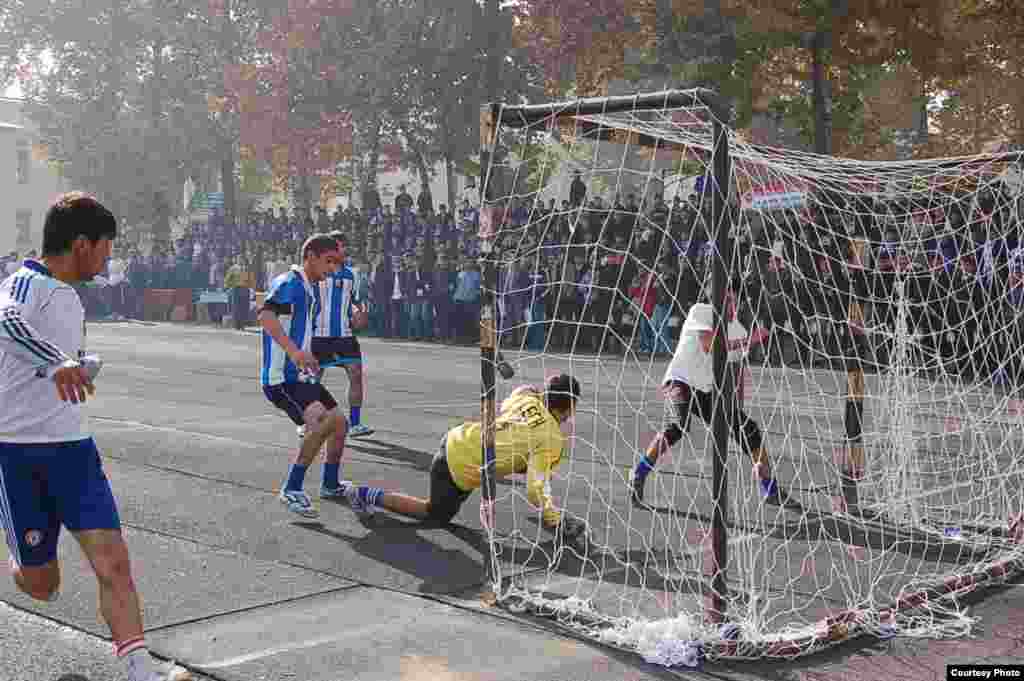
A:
332,486
31,524
747,434
353,355
678,395
301,402
86,506
446,498
120,605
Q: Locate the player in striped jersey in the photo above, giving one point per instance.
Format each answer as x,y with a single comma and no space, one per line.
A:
333,337
50,470
290,372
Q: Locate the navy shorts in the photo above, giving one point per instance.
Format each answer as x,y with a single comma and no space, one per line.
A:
45,486
293,398
344,351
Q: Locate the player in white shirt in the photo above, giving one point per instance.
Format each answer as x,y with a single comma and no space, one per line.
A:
688,384
50,470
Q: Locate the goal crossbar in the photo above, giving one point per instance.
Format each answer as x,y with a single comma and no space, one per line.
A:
519,116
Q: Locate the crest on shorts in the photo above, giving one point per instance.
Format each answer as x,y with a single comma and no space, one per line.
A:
33,538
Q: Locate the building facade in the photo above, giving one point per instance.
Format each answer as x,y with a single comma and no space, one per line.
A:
29,183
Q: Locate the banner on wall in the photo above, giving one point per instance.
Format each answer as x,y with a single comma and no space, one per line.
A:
774,196
213,296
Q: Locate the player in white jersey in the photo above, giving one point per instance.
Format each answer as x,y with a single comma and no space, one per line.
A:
333,339
50,470
688,383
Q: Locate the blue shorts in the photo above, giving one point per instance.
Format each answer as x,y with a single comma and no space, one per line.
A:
44,486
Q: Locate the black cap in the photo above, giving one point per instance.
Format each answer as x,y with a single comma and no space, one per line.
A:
563,384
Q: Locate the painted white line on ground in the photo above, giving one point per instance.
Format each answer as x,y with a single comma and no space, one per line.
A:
292,647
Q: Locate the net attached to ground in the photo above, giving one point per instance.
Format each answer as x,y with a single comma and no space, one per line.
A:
886,390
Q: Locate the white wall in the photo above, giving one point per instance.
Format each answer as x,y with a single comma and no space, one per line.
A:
44,184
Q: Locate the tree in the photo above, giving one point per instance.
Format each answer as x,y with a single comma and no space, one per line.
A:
764,56
109,100
984,103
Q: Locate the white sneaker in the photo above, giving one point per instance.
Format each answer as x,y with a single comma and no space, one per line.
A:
361,430
172,673
298,503
335,492
301,432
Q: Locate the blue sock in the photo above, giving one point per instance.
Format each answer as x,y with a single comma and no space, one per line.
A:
330,475
353,415
296,478
370,495
643,467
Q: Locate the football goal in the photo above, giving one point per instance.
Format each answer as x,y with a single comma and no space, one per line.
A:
882,305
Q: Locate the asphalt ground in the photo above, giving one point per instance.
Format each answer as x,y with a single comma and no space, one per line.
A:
237,588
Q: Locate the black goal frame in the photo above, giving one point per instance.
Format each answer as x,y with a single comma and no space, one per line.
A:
493,118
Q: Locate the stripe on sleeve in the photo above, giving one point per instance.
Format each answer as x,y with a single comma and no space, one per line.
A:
16,329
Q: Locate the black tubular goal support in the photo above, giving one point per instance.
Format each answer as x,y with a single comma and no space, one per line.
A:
495,116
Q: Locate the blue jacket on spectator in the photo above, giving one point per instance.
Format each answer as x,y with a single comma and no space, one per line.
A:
467,287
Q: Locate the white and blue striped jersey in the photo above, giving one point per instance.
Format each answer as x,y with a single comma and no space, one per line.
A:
337,293
297,304
42,325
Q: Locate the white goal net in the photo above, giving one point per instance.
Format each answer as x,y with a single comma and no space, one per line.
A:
885,392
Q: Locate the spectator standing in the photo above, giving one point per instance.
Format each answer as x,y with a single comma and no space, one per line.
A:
577,190
417,286
643,293
117,269
467,301
397,300
514,300
138,282
425,201
403,202
237,294
536,317
443,283
382,283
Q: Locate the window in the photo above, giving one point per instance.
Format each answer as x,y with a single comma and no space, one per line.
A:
24,162
23,223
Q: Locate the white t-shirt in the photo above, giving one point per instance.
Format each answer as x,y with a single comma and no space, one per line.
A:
116,268
42,324
690,364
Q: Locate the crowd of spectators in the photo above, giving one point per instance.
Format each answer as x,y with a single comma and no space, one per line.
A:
589,276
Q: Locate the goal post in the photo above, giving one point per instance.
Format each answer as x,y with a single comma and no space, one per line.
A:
495,116
887,398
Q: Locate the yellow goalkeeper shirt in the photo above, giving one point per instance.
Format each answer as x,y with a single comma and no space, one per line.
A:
527,440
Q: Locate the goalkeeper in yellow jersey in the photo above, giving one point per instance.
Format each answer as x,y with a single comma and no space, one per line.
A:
528,439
